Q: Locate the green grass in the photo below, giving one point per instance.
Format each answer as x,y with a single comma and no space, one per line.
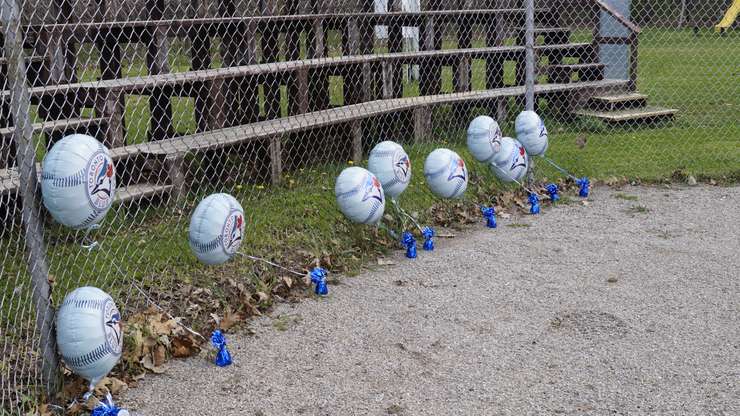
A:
626,197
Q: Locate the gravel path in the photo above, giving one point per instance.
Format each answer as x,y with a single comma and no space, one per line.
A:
599,309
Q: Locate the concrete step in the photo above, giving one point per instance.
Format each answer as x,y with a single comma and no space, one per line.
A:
618,101
563,73
631,115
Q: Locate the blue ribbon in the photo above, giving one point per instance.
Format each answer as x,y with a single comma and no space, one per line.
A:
409,242
107,408
584,184
534,203
223,358
490,215
318,277
552,189
428,233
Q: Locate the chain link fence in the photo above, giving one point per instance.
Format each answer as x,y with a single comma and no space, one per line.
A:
269,100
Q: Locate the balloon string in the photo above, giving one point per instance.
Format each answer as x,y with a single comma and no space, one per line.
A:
558,168
519,183
403,212
143,293
254,258
87,242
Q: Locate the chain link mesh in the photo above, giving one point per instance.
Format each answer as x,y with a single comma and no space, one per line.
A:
268,100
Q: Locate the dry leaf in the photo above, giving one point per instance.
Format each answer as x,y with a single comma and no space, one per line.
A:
262,296
287,281
385,262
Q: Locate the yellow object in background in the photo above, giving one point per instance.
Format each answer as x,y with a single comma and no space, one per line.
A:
729,18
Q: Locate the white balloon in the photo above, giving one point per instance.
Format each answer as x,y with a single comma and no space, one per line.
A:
446,173
516,164
360,195
484,138
89,333
78,181
216,229
390,163
531,132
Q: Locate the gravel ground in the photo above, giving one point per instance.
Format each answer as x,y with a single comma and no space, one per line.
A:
601,309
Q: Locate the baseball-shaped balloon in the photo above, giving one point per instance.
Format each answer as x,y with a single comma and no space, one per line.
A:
531,132
89,334
360,195
516,164
391,165
446,173
484,138
216,229
78,181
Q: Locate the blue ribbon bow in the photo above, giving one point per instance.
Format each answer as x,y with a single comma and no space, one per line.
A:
318,277
534,203
428,233
223,358
584,187
490,215
552,189
409,242
107,408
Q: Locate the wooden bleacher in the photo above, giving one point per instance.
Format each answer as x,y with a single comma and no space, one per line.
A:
372,82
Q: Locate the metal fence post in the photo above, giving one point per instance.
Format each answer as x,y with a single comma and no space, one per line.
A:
529,56
20,105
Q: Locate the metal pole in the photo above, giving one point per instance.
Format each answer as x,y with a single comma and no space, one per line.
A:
529,56
20,104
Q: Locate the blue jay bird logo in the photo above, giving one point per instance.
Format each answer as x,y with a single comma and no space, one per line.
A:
101,180
457,169
373,189
402,166
233,231
543,129
112,326
519,159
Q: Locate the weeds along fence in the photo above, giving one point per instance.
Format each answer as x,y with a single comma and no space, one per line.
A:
269,100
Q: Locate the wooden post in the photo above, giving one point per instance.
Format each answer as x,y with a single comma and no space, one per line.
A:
422,124
353,75
60,61
633,44
276,159
110,68
20,104
356,129
395,45
160,105
270,53
430,82
293,53
174,166
463,70
318,79
239,47
200,57
110,107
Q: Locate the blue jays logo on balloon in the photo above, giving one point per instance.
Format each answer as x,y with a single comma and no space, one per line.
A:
372,189
101,180
402,167
519,158
112,320
457,169
232,232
